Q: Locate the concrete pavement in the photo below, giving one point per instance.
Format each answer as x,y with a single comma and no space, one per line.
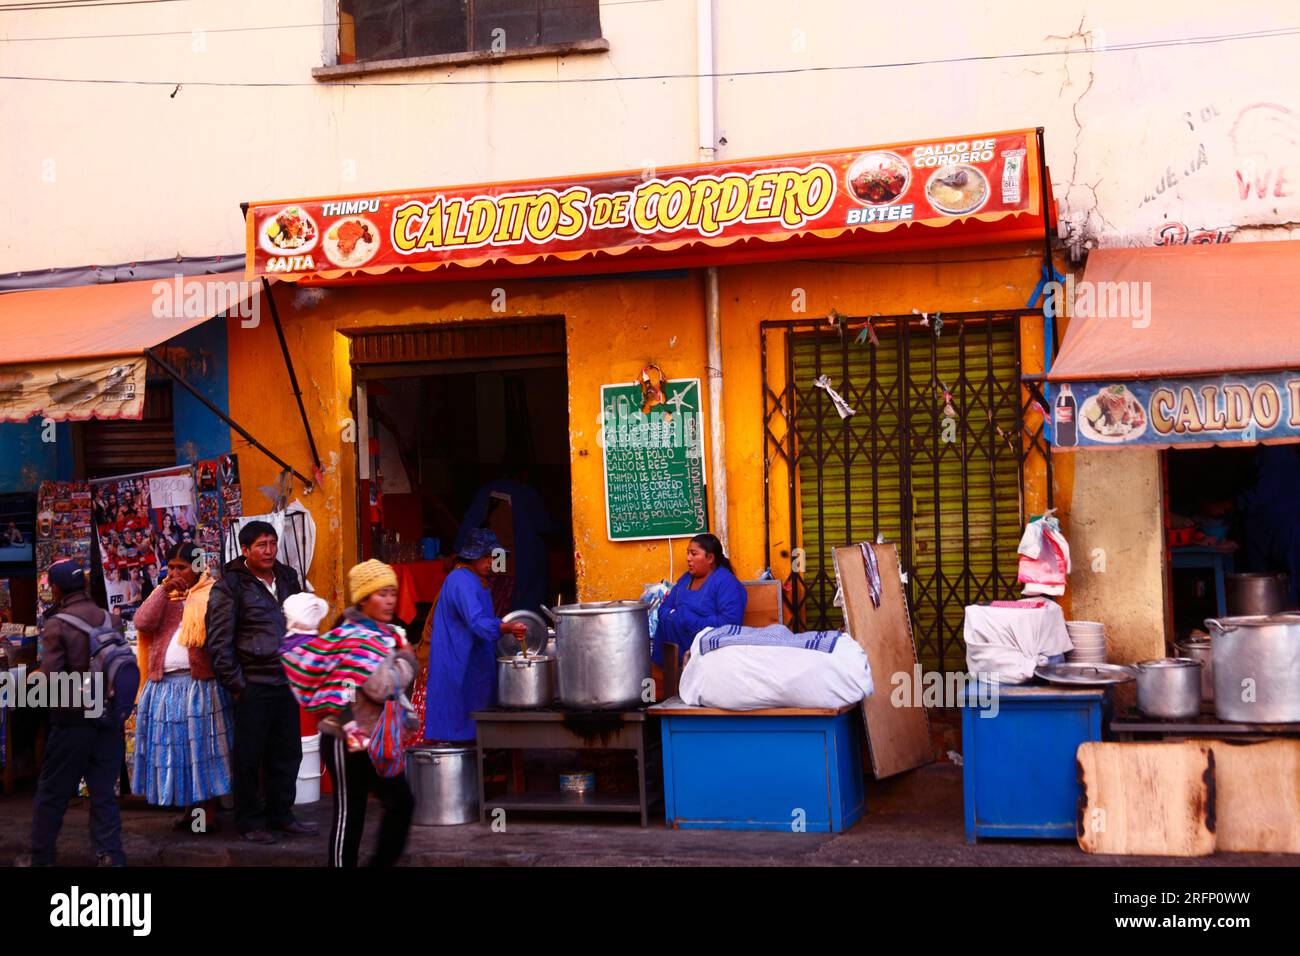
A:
914,820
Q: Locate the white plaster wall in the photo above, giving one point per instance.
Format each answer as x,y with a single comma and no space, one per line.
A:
1137,139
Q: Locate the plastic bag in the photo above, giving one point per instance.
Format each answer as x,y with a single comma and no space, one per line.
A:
1044,557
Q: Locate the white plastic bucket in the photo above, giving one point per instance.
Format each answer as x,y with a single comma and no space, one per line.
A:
309,771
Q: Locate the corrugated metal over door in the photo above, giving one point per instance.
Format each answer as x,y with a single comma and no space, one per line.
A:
947,491
121,447
478,338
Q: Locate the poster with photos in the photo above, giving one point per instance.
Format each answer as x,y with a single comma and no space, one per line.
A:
63,527
137,519
220,500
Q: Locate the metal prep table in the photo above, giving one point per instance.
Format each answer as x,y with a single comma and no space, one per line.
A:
1132,725
517,730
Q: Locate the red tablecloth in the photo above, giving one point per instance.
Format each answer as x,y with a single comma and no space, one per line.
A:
418,582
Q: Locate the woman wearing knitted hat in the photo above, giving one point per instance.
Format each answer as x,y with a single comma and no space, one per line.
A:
462,642
183,721
346,676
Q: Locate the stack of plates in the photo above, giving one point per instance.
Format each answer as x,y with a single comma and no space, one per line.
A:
1089,640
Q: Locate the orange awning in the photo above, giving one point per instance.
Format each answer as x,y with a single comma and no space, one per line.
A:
120,318
1180,311
79,353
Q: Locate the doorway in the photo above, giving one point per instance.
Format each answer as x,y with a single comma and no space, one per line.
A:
465,427
1229,510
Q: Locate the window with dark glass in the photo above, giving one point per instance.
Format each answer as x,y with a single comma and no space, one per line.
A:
397,29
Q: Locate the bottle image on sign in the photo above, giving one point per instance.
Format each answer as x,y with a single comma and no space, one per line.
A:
1066,419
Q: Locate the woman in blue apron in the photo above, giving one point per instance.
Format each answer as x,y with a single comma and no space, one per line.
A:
462,643
707,595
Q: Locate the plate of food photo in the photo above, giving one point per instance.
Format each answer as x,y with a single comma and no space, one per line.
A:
350,242
289,232
879,177
1113,415
957,189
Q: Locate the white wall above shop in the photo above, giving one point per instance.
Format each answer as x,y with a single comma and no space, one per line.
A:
1145,145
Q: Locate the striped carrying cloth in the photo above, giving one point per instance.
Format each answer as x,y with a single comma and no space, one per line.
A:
182,741
774,635
325,672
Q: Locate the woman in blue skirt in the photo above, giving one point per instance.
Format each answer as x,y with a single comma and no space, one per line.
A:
183,720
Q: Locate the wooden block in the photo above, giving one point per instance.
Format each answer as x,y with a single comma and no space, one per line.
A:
762,603
1258,790
1147,799
898,737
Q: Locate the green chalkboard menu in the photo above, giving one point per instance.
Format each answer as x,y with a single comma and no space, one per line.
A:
654,463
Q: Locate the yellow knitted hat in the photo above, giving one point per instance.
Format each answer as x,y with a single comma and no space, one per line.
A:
368,577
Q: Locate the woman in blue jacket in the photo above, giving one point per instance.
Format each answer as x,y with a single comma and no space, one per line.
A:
707,595
462,643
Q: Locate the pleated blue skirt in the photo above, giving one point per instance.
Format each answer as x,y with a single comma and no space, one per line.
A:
182,741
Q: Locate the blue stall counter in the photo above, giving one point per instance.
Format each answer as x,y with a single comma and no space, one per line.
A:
792,769
1019,777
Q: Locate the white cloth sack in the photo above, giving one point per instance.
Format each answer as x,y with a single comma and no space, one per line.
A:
753,678
1005,644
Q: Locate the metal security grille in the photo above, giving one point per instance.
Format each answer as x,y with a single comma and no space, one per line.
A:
939,475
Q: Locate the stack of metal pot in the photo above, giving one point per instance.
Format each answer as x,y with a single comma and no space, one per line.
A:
526,675
1256,668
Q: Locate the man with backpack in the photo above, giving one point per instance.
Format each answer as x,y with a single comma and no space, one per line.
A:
86,738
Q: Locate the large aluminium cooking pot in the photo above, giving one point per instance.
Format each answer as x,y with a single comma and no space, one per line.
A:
603,651
525,681
1170,688
1250,595
444,783
1257,668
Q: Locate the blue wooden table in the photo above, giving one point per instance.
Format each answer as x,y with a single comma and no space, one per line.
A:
793,769
1019,776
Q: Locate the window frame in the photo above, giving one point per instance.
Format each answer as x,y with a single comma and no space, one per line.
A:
334,70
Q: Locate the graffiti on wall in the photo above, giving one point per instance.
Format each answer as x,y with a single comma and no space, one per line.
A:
1265,138
1180,234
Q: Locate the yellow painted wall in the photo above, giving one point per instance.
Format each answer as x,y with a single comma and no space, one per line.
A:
614,327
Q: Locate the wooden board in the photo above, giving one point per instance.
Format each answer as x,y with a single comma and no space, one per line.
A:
1147,799
763,604
1258,790
898,737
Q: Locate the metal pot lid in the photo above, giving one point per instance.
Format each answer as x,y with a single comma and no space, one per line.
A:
445,750
1168,663
600,607
1086,675
535,640
528,661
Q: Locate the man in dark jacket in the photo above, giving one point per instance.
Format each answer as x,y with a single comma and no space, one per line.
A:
245,625
79,746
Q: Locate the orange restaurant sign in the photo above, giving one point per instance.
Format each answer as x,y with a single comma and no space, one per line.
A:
821,196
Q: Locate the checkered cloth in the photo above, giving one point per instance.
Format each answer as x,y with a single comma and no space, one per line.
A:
774,635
